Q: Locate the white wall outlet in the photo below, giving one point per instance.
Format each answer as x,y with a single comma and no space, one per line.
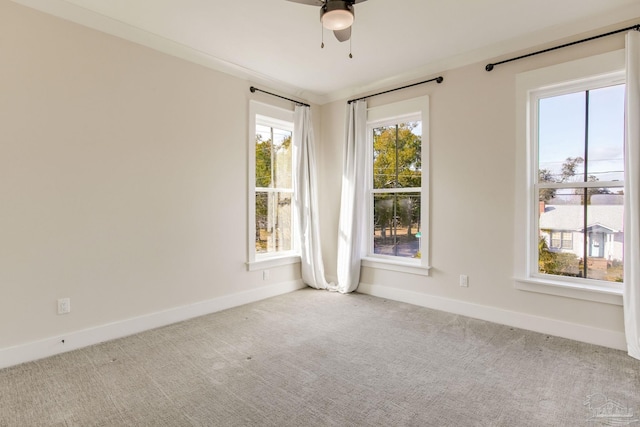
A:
265,274
464,280
64,305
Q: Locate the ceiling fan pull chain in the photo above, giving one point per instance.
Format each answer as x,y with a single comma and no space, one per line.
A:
322,36
350,55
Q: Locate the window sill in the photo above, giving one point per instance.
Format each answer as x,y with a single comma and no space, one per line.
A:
265,263
581,291
396,266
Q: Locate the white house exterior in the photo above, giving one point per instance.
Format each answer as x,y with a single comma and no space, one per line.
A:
563,228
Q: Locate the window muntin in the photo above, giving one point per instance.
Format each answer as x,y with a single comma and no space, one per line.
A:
579,142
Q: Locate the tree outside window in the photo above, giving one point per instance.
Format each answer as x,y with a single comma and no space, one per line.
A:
273,190
396,194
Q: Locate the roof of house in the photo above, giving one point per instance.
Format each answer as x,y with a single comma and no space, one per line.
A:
571,217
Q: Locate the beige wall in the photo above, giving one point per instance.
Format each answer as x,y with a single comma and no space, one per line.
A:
473,133
123,179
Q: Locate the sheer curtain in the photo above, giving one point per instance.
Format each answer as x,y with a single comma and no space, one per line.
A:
306,200
352,201
632,198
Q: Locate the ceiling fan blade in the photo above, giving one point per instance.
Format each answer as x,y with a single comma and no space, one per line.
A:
343,35
358,1
310,2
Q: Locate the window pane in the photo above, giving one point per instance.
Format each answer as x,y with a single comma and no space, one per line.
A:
561,221
263,156
605,237
397,156
397,228
282,158
273,222
561,138
563,241
606,134
273,157
409,155
384,157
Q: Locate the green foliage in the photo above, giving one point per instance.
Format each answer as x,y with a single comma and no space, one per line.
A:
273,168
268,156
263,162
397,157
563,264
397,163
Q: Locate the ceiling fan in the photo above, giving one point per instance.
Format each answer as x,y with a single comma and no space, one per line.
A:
335,15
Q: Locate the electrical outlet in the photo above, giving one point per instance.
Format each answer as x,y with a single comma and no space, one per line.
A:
464,280
265,274
64,305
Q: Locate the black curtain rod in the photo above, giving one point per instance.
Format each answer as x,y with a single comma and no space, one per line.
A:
254,89
439,79
636,27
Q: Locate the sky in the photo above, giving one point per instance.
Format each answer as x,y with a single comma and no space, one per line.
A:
562,132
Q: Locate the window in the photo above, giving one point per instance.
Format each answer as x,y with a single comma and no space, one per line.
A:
271,222
397,183
578,133
570,182
561,240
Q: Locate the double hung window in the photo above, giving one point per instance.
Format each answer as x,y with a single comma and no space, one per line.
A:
397,184
579,136
572,119
271,219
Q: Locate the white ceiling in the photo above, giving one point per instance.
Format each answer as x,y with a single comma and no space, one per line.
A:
277,42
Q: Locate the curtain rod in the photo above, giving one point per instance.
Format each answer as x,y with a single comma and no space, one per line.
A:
636,27
254,89
439,79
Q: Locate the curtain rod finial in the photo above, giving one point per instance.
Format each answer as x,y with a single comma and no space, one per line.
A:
489,67
439,79
252,89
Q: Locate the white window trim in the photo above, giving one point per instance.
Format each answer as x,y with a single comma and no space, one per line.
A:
606,69
275,117
412,109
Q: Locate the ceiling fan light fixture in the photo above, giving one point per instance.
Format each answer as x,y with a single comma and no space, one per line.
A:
336,15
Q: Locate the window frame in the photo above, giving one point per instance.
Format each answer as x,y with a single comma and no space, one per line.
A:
588,73
267,115
392,114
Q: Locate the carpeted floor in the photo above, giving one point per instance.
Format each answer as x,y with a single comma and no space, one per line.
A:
314,358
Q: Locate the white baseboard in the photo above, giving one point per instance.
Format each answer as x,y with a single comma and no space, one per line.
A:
545,325
54,345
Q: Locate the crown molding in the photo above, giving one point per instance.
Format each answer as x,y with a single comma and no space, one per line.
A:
79,15
90,19
618,18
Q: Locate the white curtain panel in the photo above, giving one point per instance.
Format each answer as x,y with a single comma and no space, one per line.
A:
632,198
352,201
306,200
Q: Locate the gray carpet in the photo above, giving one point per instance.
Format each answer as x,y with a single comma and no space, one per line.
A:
314,358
